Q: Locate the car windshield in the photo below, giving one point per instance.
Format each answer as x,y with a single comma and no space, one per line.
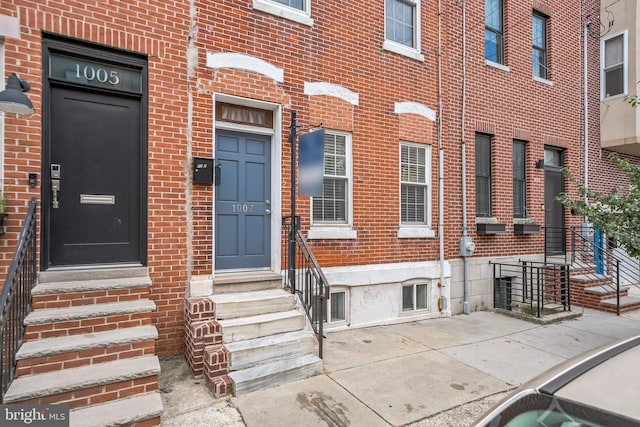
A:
548,411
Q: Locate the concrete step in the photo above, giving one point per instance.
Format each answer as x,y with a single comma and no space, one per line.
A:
627,303
67,294
590,278
244,304
53,322
144,407
275,374
605,290
246,281
91,274
248,353
89,384
246,328
78,350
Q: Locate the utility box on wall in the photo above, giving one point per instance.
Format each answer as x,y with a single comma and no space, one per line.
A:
202,170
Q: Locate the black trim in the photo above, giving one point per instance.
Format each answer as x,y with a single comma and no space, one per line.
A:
552,386
81,48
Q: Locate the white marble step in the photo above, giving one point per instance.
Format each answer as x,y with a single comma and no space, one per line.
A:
55,382
233,282
275,374
244,304
73,343
246,328
51,315
248,353
91,274
118,412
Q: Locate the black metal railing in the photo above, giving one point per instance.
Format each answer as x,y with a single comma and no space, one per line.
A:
16,297
532,288
305,278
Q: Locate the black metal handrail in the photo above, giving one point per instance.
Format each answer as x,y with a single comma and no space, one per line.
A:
531,287
16,297
305,278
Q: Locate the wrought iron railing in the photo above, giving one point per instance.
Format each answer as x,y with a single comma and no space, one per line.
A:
532,288
305,278
16,297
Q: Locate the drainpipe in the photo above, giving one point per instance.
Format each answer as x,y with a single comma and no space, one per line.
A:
465,254
443,294
586,110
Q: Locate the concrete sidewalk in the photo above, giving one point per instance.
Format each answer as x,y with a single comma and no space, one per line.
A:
430,373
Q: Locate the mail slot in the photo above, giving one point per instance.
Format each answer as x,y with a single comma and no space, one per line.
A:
97,199
202,170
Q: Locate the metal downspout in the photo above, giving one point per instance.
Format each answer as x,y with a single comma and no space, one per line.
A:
466,307
443,305
586,109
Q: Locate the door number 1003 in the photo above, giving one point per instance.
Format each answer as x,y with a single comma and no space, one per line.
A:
238,208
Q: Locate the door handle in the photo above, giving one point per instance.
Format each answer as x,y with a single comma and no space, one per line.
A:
55,184
267,211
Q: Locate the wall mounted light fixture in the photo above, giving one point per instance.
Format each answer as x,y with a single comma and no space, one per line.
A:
13,99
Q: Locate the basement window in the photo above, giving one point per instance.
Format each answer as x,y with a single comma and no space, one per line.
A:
415,297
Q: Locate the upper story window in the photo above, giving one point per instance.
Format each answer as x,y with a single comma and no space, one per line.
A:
519,179
614,65
494,31
483,175
402,27
294,10
539,59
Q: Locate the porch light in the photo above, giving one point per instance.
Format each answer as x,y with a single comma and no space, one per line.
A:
13,100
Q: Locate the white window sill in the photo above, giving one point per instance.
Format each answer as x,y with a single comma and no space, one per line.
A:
614,97
486,220
403,50
543,81
500,67
319,232
283,11
408,232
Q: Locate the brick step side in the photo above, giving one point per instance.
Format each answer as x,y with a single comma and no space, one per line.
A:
87,297
138,411
79,350
84,319
87,385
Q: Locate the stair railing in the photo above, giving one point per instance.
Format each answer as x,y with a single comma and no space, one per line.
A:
305,278
16,297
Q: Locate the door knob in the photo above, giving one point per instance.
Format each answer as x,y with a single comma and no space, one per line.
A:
267,211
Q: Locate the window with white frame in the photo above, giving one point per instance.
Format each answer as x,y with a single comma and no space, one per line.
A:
333,206
614,65
338,307
415,173
402,27
294,10
539,58
415,297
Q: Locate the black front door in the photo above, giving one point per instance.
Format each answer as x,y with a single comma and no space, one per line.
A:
94,159
554,210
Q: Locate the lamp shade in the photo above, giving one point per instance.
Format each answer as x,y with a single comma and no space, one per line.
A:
12,98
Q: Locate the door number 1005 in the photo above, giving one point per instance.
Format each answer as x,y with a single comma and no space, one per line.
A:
238,208
100,74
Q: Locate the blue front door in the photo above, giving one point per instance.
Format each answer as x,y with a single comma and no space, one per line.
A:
243,201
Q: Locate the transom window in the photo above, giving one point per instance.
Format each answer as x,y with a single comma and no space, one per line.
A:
332,206
493,33
483,175
614,65
415,297
401,22
539,59
414,179
519,180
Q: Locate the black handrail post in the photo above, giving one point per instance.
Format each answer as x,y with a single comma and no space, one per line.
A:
293,134
618,287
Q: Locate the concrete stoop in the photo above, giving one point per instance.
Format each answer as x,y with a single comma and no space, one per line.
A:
247,341
89,343
597,291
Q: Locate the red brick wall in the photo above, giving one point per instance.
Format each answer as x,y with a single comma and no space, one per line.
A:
154,28
510,105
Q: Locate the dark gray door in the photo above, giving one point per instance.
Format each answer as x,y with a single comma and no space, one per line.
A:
243,201
95,144
554,210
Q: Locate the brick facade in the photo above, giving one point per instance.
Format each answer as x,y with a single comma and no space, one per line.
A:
183,91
